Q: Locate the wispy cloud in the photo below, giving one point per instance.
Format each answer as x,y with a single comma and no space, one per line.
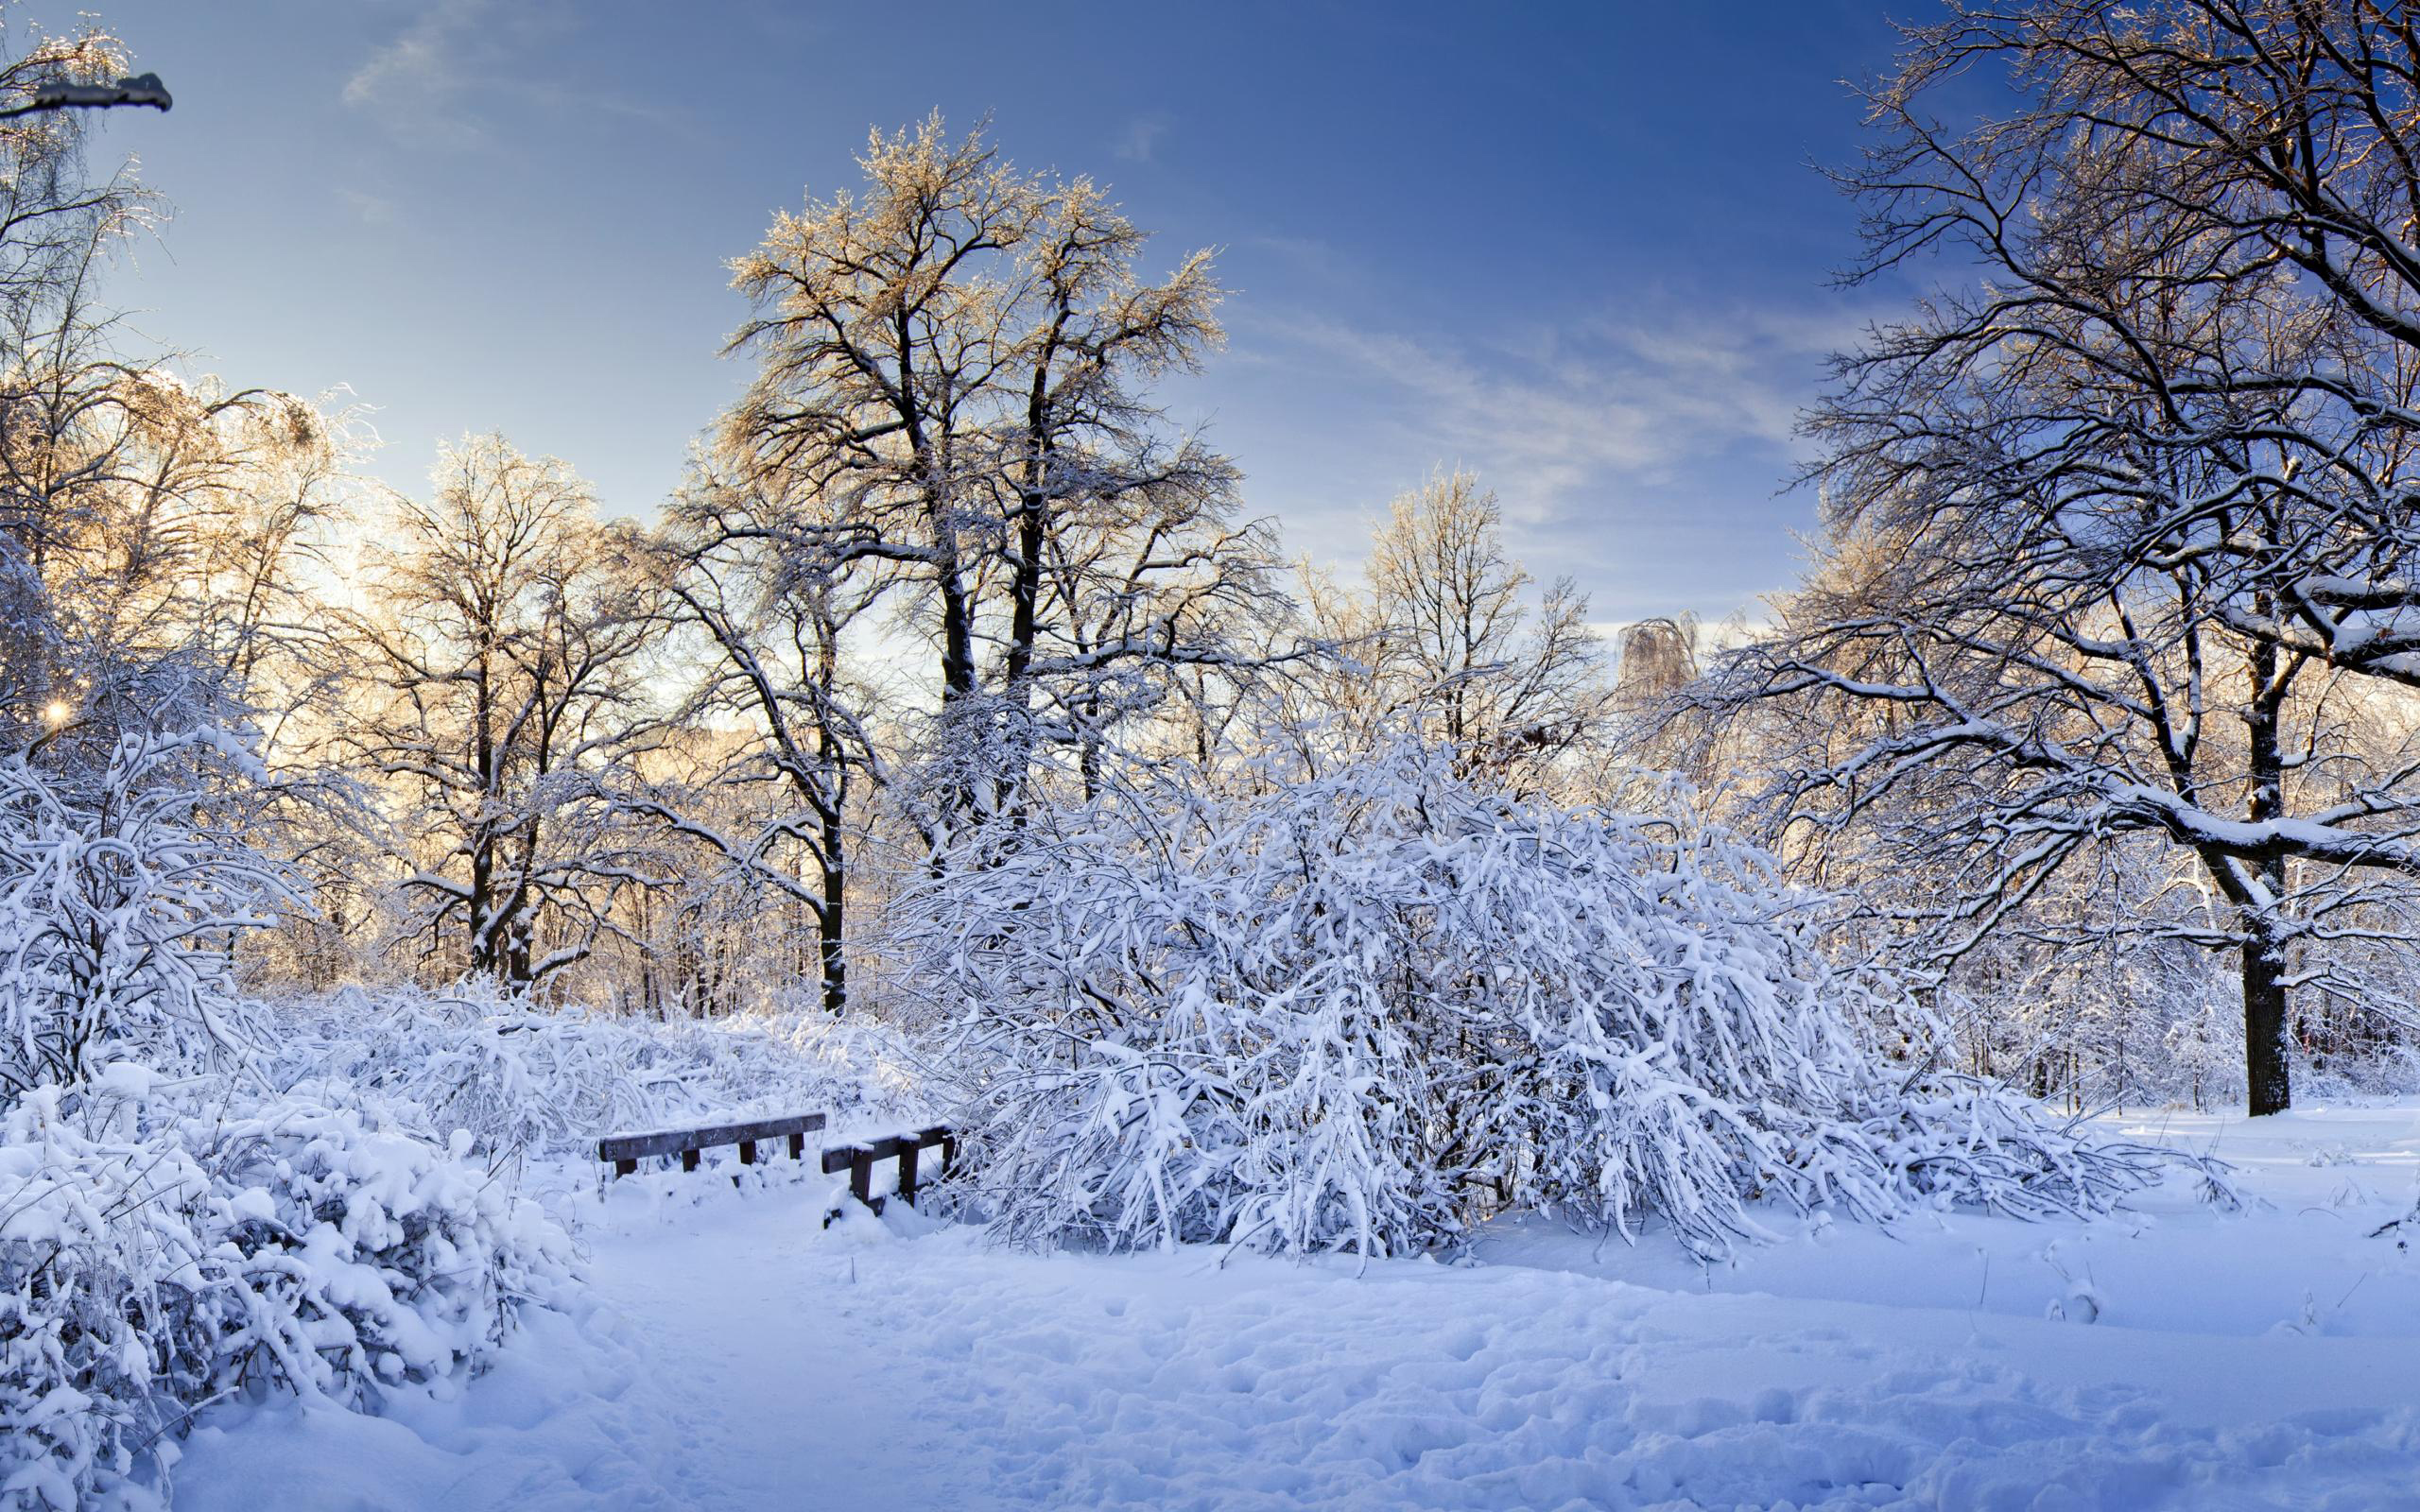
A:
439,78
1551,414
1139,140
416,81
372,210
1638,450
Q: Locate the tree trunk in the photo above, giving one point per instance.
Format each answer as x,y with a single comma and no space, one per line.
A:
480,910
830,942
2264,1028
1025,583
831,917
957,637
2264,955
1025,602
831,818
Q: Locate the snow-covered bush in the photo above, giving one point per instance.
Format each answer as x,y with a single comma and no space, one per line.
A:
122,890
527,1079
163,1250
103,1299
371,1254
1364,1010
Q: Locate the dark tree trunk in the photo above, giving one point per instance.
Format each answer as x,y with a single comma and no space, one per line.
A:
957,638
1025,601
1025,583
481,911
831,915
829,943
2266,1082
2264,962
831,819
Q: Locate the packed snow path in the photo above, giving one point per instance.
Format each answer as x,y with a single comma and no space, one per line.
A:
742,1358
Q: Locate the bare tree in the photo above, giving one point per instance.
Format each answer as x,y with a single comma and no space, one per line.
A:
2123,536
1657,657
503,657
57,223
149,523
1453,637
777,805
951,401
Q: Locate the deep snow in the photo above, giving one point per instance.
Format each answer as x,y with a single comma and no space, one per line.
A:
741,1357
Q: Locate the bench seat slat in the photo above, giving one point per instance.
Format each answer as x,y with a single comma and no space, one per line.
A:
682,1140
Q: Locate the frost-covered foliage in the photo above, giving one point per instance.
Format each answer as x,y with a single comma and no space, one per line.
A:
122,890
520,1078
161,1249
2103,989
1363,1011
172,1230
167,1243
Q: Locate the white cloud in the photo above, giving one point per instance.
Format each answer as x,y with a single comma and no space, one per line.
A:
1550,413
1641,451
1140,137
437,80
416,81
372,210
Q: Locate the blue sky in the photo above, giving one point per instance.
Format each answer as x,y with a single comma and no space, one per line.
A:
1578,249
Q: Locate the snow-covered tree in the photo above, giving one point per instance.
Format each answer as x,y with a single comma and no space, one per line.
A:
123,889
951,411
502,678
1449,635
1657,656
1367,1009
1510,683
2121,541
149,523
777,807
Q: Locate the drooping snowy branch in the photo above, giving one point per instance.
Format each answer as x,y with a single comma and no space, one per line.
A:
1368,1010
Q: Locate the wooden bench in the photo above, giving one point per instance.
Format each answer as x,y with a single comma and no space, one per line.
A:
859,1161
626,1150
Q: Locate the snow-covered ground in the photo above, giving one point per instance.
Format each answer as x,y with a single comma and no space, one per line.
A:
741,1357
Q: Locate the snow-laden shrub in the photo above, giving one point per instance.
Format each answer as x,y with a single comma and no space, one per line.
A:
122,889
373,1255
159,1252
104,1300
1368,1010
525,1078
163,1245
1972,1143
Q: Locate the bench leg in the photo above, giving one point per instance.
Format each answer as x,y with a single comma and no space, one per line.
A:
748,1152
623,1168
862,1178
907,1175
798,1146
688,1160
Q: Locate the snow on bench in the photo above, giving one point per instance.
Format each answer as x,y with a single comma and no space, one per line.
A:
626,1150
859,1160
